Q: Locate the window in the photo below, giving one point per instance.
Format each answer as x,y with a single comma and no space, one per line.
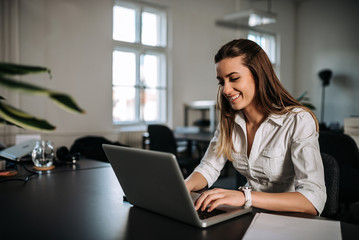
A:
266,41
139,63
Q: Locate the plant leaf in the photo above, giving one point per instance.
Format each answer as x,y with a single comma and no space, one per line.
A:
301,97
23,119
63,100
23,87
66,102
4,122
17,69
308,105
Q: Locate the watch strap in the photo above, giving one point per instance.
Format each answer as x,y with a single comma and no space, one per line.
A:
248,195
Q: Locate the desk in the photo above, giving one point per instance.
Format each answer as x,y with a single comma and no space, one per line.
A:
203,137
201,140
87,204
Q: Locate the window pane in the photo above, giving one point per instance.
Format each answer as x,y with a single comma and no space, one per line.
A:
124,68
139,63
267,42
150,70
123,104
150,29
152,104
124,24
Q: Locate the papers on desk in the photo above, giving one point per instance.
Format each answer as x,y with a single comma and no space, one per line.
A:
276,227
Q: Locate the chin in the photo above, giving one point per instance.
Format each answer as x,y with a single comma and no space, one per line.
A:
236,107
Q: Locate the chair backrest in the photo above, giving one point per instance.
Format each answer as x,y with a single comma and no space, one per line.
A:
332,178
344,149
162,138
341,146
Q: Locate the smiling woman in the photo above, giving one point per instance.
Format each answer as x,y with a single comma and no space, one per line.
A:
270,138
238,87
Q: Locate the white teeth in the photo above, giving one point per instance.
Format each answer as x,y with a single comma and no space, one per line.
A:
235,97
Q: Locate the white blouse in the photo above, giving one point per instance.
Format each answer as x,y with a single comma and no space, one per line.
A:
285,157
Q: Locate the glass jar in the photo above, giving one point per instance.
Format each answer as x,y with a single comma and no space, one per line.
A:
43,154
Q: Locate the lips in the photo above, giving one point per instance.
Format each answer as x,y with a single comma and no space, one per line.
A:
233,98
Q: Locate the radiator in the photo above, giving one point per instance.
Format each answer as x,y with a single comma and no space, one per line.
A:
132,138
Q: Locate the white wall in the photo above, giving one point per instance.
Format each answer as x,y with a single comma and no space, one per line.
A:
73,38
195,39
284,31
328,37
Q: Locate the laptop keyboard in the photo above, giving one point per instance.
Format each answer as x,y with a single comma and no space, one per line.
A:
204,214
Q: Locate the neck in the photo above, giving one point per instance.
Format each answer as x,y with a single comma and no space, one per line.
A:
254,116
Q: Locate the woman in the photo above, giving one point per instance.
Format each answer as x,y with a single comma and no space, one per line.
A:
270,138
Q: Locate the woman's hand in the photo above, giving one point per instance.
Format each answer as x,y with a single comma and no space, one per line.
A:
218,196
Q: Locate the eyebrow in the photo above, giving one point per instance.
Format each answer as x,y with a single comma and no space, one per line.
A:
228,75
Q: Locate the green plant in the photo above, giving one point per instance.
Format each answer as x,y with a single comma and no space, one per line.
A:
10,115
304,100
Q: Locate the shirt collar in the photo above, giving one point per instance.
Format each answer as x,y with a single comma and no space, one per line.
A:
275,118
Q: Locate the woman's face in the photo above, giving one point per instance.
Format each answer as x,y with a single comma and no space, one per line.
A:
237,82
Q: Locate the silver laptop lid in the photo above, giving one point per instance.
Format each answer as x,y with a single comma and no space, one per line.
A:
152,180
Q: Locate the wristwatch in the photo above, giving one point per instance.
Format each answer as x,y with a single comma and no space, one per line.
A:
248,195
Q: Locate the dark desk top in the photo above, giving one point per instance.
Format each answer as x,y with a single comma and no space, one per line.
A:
88,204
200,136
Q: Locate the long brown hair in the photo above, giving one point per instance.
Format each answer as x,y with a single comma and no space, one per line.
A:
270,94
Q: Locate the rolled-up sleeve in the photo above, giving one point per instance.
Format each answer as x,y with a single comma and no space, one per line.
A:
307,161
211,165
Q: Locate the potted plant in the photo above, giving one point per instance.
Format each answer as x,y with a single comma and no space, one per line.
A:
304,100
10,115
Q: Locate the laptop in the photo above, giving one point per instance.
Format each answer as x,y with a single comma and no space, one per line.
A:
153,180
19,151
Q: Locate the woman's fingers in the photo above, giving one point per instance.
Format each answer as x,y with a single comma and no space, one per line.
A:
202,197
207,197
213,198
216,203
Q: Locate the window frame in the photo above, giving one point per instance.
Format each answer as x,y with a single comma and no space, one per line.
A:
273,44
140,50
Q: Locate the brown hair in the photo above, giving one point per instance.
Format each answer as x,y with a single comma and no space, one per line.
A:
270,94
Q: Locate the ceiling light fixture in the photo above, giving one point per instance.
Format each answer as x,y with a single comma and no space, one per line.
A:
249,18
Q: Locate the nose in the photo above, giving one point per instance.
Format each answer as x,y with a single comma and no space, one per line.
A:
226,88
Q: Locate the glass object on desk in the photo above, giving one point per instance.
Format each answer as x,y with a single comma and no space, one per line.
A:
43,154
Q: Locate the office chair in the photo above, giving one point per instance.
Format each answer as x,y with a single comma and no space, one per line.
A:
344,149
161,138
332,178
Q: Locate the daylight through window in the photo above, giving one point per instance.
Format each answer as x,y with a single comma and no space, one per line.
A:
139,70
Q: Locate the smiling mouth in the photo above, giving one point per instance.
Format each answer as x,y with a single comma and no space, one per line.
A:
233,98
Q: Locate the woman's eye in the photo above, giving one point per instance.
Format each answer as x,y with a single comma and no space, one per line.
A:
233,79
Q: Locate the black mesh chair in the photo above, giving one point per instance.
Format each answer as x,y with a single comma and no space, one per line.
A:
332,177
161,138
344,149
